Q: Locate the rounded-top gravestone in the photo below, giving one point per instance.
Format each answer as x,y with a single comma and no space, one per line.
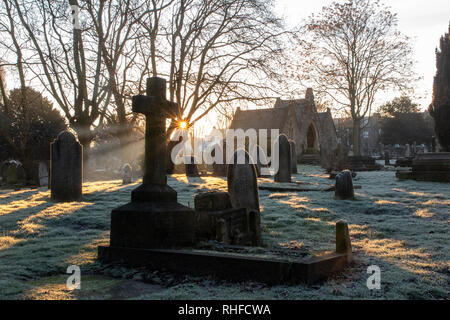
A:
242,182
127,174
66,168
284,159
344,186
12,172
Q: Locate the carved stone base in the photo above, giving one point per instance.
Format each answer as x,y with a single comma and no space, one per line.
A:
153,220
234,267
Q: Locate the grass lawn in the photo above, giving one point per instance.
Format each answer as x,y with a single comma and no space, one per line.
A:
400,226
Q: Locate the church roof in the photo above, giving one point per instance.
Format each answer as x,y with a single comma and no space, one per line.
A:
286,103
273,118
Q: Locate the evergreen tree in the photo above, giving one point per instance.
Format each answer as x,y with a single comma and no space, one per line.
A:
440,107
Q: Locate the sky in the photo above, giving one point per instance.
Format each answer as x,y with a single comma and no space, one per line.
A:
424,21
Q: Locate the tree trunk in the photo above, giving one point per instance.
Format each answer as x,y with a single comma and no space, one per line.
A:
85,141
357,137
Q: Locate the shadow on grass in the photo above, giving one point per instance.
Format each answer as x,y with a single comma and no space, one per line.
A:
16,195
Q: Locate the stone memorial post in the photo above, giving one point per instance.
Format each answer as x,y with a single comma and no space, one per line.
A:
386,158
242,183
343,243
66,168
153,218
284,170
407,151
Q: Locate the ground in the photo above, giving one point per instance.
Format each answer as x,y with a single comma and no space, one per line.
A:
400,226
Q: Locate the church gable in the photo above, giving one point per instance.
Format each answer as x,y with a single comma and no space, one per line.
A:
297,119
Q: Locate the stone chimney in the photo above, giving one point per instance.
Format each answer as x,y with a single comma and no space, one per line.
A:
309,95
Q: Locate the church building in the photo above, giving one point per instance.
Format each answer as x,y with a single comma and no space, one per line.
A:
298,120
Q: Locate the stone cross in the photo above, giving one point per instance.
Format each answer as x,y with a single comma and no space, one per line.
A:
156,109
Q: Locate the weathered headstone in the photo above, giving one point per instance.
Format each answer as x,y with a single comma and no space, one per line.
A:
212,201
66,168
217,220
153,218
242,182
43,173
386,158
12,175
220,169
407,151
191,166
381,149
344,186
293,157
127,174
170,146
343,243
284,151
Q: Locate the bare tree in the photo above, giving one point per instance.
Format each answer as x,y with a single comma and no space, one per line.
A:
115,28
217,52
13,42
3,94
61,61
214,53
353,52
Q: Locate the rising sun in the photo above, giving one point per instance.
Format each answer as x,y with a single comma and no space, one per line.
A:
182,124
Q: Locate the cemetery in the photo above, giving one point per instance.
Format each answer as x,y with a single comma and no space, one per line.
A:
285,203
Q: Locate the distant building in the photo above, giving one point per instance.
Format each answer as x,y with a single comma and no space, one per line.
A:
297,119
370,133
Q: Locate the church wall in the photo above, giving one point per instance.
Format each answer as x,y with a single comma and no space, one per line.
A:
328,137
292,130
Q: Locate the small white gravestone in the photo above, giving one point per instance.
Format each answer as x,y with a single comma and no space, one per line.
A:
43,173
